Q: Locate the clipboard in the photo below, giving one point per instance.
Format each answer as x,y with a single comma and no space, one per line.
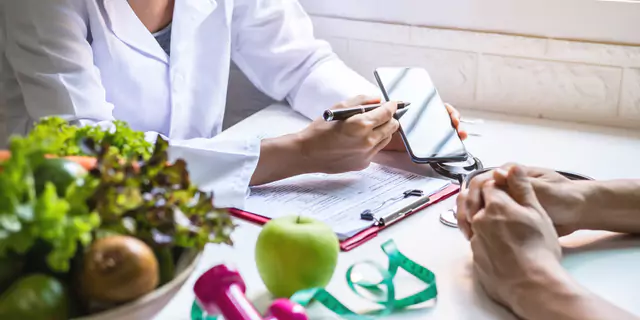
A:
366,234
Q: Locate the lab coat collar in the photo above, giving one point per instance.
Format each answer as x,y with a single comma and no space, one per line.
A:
127,26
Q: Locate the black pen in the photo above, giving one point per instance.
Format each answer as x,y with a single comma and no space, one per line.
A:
343,114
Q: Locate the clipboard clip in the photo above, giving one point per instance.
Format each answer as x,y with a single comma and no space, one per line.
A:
390,218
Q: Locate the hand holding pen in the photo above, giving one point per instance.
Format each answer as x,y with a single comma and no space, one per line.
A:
349,145
344,114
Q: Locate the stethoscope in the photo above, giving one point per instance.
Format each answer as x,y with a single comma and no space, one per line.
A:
463,172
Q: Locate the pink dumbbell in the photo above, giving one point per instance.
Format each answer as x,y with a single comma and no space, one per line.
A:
221,291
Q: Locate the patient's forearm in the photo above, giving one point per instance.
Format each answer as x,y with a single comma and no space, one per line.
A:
613,206
560,297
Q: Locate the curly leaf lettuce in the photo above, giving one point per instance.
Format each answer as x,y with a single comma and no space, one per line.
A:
56,136
26,218
156,202
132,190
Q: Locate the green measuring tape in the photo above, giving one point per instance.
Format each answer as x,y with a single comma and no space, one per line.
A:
389,303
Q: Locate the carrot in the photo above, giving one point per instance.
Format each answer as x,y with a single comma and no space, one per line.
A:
86,162
4,155
89,162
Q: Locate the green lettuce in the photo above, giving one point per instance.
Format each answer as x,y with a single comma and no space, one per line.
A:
26,218
132,190
56,136
156,201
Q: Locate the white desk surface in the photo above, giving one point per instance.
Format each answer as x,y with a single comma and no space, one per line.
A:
605,263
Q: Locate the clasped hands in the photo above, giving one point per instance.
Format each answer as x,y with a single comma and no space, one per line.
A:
513,217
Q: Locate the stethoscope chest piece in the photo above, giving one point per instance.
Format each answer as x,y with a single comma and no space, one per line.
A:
449,219
459,172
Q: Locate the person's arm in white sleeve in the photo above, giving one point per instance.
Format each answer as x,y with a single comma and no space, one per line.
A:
274,45
47,47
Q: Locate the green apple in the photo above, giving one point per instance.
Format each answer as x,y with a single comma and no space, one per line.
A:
295,253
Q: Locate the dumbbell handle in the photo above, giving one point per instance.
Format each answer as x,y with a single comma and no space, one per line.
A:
232,304
221,291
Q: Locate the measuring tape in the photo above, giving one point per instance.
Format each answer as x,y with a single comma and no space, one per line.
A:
389,304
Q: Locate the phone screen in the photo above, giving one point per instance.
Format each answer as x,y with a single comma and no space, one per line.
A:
425,124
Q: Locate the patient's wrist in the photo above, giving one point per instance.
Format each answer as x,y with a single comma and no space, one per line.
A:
550,294
591,209
558,296
612,206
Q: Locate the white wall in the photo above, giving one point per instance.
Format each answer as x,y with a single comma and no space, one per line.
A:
608,21
537,76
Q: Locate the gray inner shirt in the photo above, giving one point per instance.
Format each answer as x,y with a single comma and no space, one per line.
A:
164,38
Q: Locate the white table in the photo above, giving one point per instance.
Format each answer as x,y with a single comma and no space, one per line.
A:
605,263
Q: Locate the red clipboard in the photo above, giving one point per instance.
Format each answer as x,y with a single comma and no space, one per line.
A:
364,235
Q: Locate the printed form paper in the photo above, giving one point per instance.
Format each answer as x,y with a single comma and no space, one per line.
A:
339,199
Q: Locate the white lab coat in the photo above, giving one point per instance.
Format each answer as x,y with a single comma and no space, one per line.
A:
94,59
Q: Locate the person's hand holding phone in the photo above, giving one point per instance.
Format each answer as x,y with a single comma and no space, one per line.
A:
349,145
429,127
396,143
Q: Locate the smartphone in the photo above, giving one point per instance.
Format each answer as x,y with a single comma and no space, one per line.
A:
425,125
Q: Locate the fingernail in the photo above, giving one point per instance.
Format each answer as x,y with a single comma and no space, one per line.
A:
517,171
502,172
